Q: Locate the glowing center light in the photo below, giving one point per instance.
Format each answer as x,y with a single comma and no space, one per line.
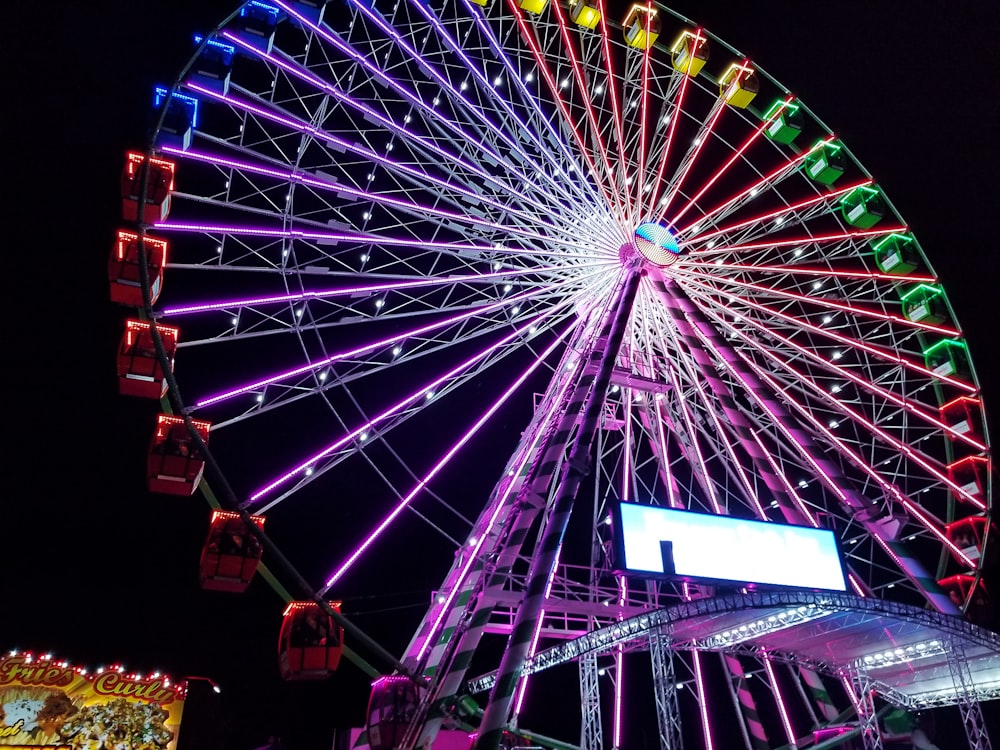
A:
656,243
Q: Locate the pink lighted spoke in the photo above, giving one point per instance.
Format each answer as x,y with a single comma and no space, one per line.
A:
528,37
703,137
888,355
782,709
706,722
900,401
763,182
860,312
640,177
482,278
725,167
784,211
367,349
410,207
470,433
413,397
675,116
854,457
500,505
797,241
585,95
610,87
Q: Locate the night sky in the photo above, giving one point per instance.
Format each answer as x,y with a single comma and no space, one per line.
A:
97,570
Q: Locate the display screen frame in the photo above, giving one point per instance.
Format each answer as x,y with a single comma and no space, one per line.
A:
684,565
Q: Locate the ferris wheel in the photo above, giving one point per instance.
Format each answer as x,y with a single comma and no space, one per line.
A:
454,280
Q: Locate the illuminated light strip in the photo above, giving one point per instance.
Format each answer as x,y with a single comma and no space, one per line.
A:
612,91
620,205
900,655
833,304
367,349
350,291
768,244
805,203
442,81
699,679
732,159
547,74
856,584
782,620
782,171
703,136
371,239
905,404
407,400
324,135
782,709
640,177
499,100
325,87
900,446
469,434
676,111
619,670
887,355
378,198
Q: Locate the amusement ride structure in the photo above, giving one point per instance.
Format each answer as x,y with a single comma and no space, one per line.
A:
404,252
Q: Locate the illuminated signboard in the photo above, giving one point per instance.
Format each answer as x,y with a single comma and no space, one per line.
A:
51,705
656,541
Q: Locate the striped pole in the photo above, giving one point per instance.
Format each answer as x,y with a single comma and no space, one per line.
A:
591,397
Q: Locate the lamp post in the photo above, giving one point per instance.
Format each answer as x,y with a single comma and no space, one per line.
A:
209,680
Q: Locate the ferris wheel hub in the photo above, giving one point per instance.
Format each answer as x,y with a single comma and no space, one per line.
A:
656,243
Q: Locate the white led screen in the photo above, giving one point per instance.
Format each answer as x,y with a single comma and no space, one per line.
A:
652,540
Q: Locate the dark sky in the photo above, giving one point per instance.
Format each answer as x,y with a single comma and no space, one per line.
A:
98,570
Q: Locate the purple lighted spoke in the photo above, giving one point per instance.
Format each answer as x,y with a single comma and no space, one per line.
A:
384,161
470,433
379,198
376,116
368,348
415,100
483,278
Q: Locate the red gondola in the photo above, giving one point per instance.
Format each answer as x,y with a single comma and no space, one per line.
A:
175,464
159,186
969,535
391,707
311,642
123,268
139,370
958,588
971,474
963,415
231,553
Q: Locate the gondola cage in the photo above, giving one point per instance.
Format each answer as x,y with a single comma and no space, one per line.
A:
175,463
159,184
124,272
391,708
231,553
310,643
139,370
